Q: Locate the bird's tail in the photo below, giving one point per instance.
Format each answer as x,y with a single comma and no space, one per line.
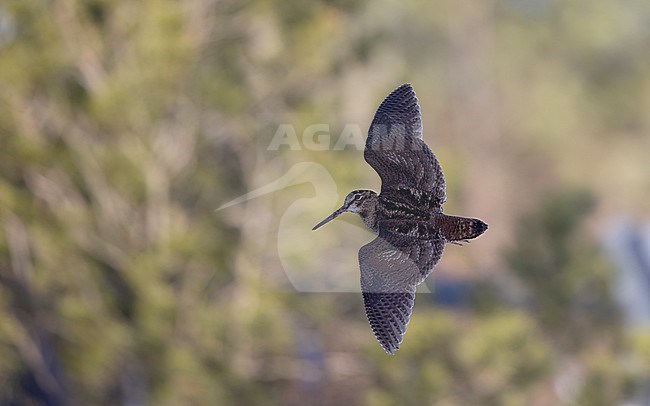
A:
461,228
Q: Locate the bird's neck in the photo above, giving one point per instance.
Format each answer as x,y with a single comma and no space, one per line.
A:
369,214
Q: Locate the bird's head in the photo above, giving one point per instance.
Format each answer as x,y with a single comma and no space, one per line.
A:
355,202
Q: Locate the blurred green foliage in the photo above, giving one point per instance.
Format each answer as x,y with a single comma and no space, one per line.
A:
551,255
124,125
569,285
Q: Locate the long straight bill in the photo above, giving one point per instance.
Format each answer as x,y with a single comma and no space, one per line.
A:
329,218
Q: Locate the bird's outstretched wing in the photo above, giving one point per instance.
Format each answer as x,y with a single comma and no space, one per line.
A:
392,265
395,148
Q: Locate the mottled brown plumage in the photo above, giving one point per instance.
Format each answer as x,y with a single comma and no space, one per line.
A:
407,216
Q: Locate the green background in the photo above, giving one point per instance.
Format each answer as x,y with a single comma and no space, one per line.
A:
125,124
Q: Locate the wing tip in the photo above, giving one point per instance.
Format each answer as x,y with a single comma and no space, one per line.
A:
404,88
402,101
389,350
390,347
390,343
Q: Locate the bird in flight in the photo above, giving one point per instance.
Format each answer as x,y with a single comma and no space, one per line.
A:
406,214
